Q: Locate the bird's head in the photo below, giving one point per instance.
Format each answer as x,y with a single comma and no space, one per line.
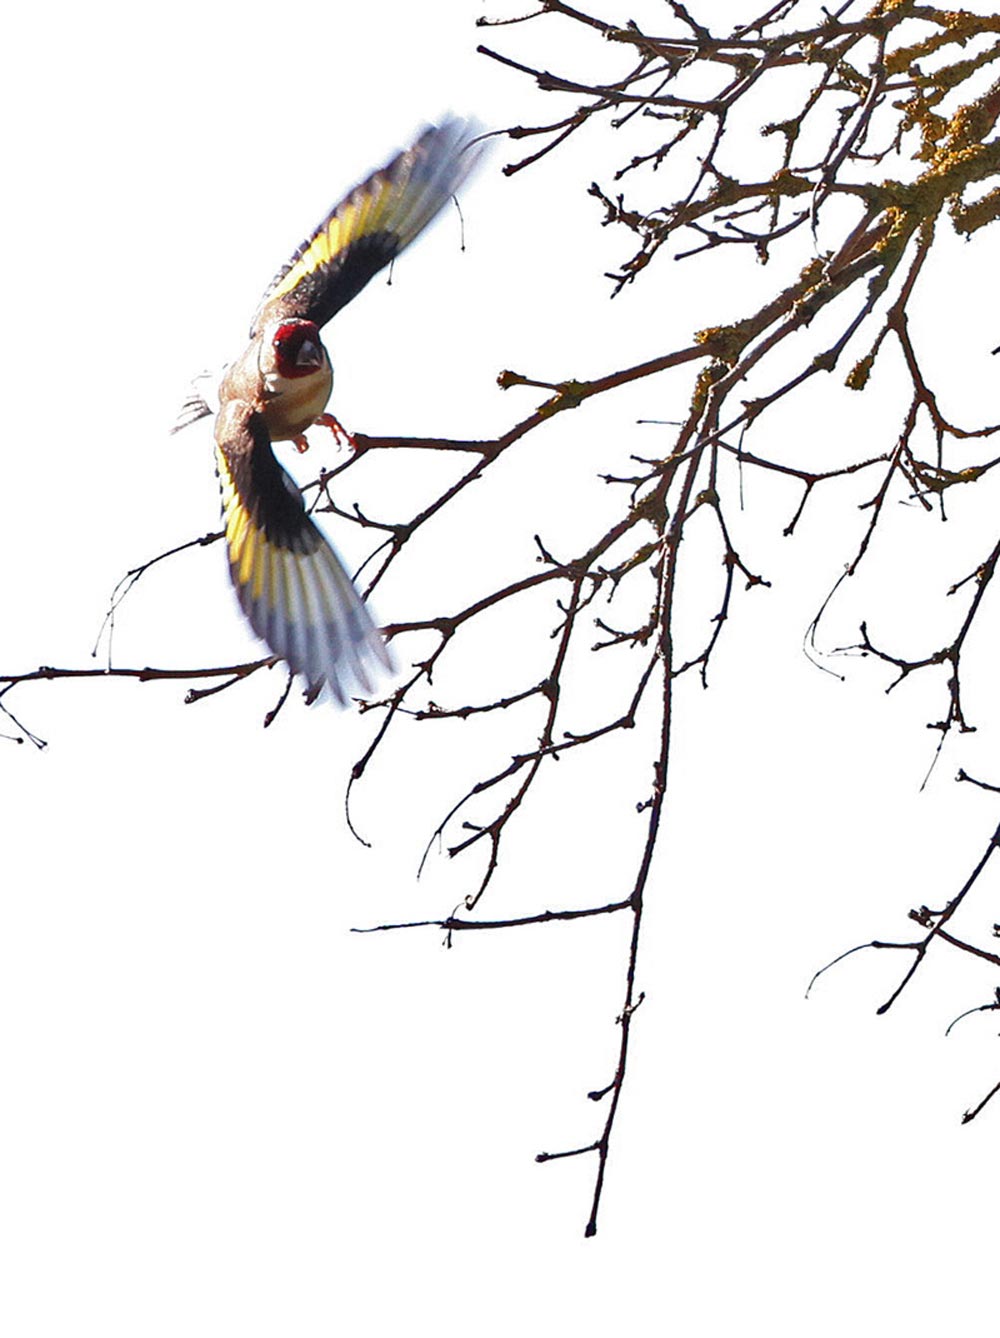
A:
292,349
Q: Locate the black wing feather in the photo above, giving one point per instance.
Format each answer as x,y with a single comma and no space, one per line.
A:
369,227
289,580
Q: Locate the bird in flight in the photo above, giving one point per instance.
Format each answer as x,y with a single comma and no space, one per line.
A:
290,582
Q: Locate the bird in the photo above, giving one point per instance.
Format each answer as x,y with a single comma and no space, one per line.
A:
288,578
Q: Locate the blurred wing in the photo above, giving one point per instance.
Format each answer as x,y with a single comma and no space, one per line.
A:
290,583
369,227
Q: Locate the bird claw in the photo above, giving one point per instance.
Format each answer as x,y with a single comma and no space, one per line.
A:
340,433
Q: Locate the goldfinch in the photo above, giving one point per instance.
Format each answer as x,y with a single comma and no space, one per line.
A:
289,580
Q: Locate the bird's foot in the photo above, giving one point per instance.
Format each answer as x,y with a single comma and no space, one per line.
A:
341,434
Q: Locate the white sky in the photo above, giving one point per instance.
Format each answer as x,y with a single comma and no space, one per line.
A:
221,1112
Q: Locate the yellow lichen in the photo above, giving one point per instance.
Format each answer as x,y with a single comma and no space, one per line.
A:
857,377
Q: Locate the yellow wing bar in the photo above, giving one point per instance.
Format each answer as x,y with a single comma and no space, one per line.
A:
290,582
370,226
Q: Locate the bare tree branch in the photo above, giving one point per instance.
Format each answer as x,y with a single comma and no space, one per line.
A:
847,95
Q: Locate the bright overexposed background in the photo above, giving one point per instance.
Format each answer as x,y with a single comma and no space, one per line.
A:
222,1113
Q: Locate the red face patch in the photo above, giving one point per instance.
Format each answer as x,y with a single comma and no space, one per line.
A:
297,349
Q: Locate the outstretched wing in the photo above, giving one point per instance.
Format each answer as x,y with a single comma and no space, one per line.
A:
290,582
369,227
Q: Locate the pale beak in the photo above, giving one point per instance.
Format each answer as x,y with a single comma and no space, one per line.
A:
309,355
